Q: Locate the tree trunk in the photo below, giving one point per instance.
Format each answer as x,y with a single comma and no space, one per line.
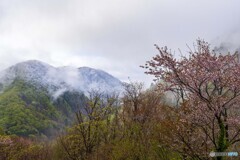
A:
222,145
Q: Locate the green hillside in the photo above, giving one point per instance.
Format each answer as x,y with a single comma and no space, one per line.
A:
27,110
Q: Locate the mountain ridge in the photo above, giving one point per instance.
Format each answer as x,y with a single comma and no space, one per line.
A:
82,79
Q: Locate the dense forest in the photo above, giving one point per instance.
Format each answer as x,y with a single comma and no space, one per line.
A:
140,124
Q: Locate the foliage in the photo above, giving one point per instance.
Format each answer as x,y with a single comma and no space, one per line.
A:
141,127
16,148
28,110
107,131
93,120
209,87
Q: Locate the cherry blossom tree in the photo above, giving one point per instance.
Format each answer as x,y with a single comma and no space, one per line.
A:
207,82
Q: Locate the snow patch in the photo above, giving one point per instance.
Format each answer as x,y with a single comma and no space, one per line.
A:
62,79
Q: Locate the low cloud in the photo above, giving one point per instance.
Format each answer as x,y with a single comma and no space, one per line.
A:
58,93
66,76
230,42
116,36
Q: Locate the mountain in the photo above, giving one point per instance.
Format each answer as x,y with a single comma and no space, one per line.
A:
60,79
39,100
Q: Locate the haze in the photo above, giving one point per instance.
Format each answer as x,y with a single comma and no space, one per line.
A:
113,35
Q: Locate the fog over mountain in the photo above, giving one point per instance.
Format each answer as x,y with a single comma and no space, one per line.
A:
230,42
116,36
61,79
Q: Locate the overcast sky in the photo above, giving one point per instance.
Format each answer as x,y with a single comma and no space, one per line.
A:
113,35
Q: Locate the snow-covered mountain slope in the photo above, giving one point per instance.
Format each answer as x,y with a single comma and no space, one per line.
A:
58,80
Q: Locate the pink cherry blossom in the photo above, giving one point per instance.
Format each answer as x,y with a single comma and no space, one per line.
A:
209,83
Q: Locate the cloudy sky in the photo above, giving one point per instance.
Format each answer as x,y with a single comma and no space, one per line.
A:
113,35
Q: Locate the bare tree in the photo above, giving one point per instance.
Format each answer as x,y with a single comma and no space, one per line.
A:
92,122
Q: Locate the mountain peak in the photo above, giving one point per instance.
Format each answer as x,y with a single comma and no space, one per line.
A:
35,63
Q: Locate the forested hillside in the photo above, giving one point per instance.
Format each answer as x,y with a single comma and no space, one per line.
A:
28,110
